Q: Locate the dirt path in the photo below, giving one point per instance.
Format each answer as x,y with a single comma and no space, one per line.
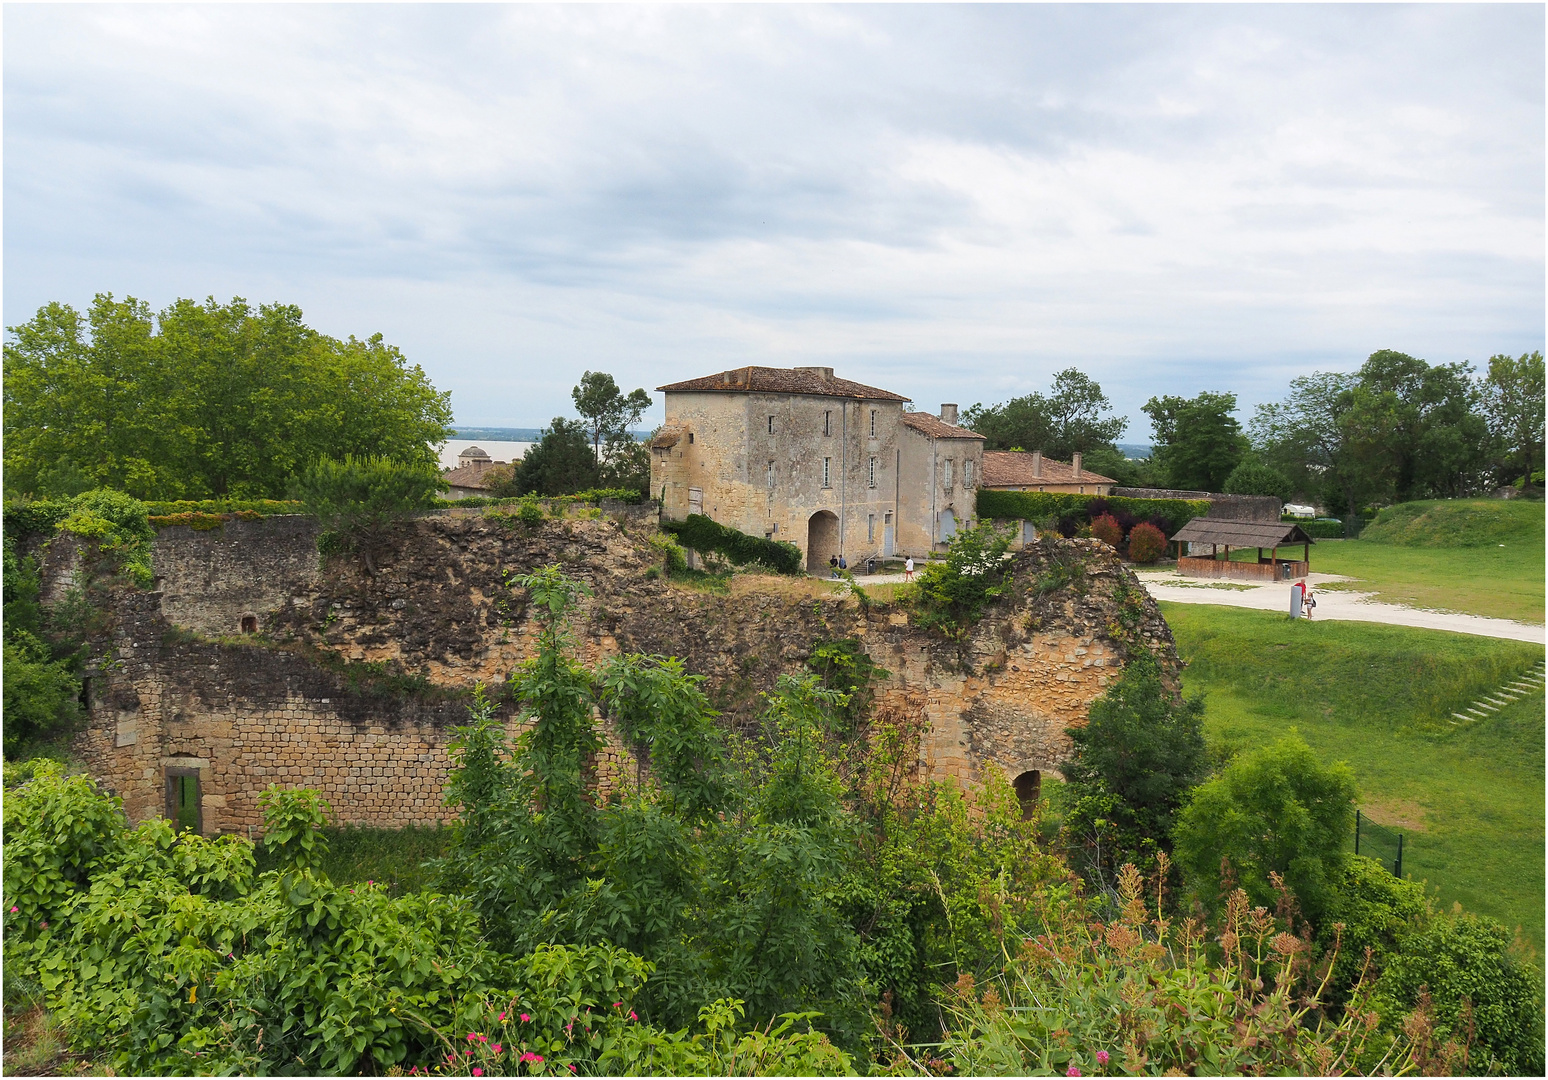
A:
1331,604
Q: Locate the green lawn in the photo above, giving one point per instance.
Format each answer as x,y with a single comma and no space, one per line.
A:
1501,582
1468,798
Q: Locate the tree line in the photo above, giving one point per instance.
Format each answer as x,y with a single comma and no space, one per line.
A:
1395,430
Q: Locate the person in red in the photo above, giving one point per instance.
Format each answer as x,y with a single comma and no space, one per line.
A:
1297,597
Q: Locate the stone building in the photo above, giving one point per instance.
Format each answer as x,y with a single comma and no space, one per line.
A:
1020,470
832,466
470,477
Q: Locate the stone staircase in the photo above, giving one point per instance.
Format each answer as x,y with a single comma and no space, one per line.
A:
1495,700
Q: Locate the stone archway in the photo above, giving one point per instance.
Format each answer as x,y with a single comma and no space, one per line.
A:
1029,786
822,541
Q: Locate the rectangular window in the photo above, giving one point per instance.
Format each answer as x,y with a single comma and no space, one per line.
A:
827,472
967,474
771,425
771,476
873,426
948,474
870,528
873,472
184,804
827,424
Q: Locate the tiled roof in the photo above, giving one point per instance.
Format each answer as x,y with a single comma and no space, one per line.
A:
1013,468
934,426
469,476
765,380
1243,533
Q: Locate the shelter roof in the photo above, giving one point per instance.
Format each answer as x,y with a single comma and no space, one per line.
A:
819,382
934,426
1013,468
1243,533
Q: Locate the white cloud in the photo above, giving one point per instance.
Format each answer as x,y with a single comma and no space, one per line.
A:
953,202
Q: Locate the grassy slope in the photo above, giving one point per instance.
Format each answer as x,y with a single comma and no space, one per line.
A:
1379,697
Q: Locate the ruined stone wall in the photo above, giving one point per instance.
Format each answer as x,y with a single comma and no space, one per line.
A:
250,711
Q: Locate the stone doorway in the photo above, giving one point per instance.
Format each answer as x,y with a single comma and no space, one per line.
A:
822,541
184,804
1029,785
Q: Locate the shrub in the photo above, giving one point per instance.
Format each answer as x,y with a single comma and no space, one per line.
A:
1255,478
1376,909
1075,509
703,534
358,499
952,592
120,526
1146,543
1106,529
1461,958
1277,810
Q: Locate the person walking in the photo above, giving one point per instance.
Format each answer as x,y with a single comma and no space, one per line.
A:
1297,595
1308,600
908,568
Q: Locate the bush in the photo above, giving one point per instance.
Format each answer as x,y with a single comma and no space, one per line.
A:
1146,543
1376,909
704,535
1467,958
119,525
1255,478
952,592
1106,529
358,499
1039,505
1277,810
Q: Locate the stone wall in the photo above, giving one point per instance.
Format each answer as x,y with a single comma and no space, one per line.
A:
1263,508
287,707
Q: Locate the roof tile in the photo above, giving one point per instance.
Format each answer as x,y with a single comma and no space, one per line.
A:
764,380
1013,468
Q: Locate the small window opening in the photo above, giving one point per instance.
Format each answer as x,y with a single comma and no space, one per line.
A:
870,528
690,436
873,472
771,476
184,809
771,425
1029,785
86,694
873,423
827,423
827,472
249,624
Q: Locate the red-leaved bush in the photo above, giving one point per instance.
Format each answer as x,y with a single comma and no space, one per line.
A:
1146,543
1106,529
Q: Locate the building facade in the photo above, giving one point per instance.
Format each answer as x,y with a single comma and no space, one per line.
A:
833,466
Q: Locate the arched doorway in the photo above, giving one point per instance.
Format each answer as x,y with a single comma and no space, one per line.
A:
1029,785
948,525
822,541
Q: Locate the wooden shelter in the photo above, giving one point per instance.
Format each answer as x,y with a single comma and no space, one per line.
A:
1223,535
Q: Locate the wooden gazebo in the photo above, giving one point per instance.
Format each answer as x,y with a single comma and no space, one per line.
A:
1222,536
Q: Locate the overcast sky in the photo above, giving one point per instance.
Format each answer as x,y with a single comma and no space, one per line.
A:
949,202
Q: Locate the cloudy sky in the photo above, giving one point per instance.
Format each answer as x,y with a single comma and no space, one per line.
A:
949,202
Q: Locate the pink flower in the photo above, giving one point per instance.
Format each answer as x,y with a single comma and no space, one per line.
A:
477,1071
525,1018
530,1056
632,1016
472,1035
617,1004
1102,1056
1072,1071
14,909
496,1048
502,1018
45,926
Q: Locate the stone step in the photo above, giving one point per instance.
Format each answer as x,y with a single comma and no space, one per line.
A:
1459,716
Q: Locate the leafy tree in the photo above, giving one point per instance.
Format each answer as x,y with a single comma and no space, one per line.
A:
202,400
1375,909
1277,810
607,411
1435,443
562,462
952,593
1198,443
1074,415
1513,402
1252,477
1131,767
358,500
1327,437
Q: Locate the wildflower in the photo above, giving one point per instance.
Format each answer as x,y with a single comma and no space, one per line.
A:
495,1048
502,1018
14,909
472,1035
1072,1071
525,1018
477,1071
45,926
632,1016
1102,1056
530,1056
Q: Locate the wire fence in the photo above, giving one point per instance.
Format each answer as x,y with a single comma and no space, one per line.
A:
1379,842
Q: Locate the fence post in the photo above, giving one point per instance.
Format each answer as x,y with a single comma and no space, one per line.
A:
1400,856
1357,830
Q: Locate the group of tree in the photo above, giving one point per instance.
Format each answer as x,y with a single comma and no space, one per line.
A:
599,450
202,400
791,901
1396,429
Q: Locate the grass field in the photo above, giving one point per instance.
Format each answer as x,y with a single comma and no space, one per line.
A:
1468,798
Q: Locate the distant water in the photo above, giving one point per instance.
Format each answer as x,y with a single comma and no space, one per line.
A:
499,449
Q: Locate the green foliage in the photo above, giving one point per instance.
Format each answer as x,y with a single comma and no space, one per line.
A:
1273,811
1255,478
952,593
1374,909
704,534
293,821
1039,506
202,401
242,508
590,497
1481,992
1146,543
41,693
562,462
1197,443
58,829
358,500
846,667
1131,767
1323,528
118,525
1458,523
1074,415
1513,395
722,1049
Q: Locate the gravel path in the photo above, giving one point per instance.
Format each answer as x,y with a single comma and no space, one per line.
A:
1331,604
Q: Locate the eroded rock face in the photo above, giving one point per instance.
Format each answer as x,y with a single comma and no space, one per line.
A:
439,617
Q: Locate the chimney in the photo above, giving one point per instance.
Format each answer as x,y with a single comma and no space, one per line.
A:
1077,464
1037,464
949,414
